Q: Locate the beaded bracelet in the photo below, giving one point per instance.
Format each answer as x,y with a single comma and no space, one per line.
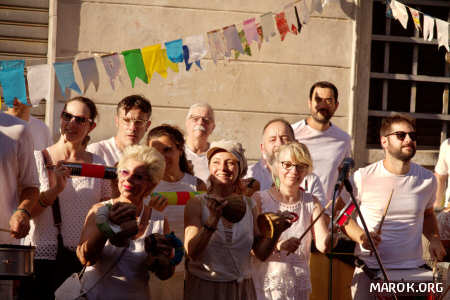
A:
24,211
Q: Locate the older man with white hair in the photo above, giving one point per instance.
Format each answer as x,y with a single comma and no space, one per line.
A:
199,126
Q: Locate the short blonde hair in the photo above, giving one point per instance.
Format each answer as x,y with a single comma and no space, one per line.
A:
153,160
299,154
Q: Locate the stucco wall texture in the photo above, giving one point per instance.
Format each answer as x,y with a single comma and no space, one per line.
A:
245,93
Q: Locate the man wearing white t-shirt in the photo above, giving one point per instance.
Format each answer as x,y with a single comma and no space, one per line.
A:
278,132
39,131
132,121
200,124
410,212
327,144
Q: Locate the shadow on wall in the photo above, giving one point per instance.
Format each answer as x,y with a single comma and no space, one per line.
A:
349,7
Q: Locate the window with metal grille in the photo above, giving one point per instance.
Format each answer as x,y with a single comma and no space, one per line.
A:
409,74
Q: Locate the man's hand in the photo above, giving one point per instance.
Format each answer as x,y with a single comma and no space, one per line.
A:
19,224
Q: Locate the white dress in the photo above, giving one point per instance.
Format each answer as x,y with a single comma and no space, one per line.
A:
283,277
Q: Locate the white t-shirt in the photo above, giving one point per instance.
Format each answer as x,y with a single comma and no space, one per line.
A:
327,148
40,134
443,165
106,149
311,183
200,163
17,168
401,234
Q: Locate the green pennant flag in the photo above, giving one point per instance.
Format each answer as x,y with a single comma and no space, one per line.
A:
135,65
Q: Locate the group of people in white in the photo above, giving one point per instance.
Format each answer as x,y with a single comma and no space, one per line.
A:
226,257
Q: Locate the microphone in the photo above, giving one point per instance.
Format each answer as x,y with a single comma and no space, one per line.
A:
346,166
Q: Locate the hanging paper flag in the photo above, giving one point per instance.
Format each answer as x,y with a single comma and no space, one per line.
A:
232,40
12,80
260,34
250,30
388,10
197,47
428,28
282,24
299,23
216,44
38,78
186,59
89,72
399,13
416,18
442,33
135,65
267,26
175,50
304,12
154,61
167,63
291,19
112,67
316,5
65,76
245,45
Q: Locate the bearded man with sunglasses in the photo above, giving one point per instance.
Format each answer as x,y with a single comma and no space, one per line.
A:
132,121
412,190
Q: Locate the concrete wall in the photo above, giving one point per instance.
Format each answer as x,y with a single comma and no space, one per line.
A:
245,93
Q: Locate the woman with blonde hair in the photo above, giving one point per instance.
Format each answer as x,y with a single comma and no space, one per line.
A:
285,274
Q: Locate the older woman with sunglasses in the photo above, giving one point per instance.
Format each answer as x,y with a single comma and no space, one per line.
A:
72,195
285,274
118,259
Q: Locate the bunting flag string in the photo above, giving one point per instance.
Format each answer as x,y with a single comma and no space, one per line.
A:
219,43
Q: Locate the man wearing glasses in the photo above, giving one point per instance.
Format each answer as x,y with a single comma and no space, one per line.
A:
412,190
200,124
132,121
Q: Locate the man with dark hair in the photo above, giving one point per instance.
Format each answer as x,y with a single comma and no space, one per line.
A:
412,190
327,143
132,121
278,132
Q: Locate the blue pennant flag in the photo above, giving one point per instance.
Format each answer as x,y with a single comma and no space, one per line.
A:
66,78
186,59
12,80
175,50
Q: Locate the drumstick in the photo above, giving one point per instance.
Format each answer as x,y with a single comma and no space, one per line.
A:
313,222
383,216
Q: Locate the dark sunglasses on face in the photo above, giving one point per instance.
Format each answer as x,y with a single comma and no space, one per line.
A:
68,117
401,135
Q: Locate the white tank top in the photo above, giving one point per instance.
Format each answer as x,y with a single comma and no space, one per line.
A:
224,260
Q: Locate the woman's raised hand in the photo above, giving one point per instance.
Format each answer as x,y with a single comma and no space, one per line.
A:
215,206
158,202
58,177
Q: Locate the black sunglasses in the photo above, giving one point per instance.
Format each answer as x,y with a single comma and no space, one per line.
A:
401,135
67,117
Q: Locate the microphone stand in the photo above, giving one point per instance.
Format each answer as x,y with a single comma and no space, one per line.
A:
349,188
330,276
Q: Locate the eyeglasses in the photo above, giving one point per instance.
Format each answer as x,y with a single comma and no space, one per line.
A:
79,120
197,118
126,173
136,122
287,165
401,135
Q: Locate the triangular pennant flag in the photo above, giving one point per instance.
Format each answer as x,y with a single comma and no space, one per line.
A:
304,12
175,50
442,33
89,72
399,13
251,33
283,27
428,28
167,63
186,59
112,67
268,26
197,47
244,43
12,80
291,18
297,17
232,39
65,76
135,65
154,61
388,10
259,29
316,5
216,44
415,14
38,78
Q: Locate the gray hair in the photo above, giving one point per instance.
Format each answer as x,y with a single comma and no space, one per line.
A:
202,105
